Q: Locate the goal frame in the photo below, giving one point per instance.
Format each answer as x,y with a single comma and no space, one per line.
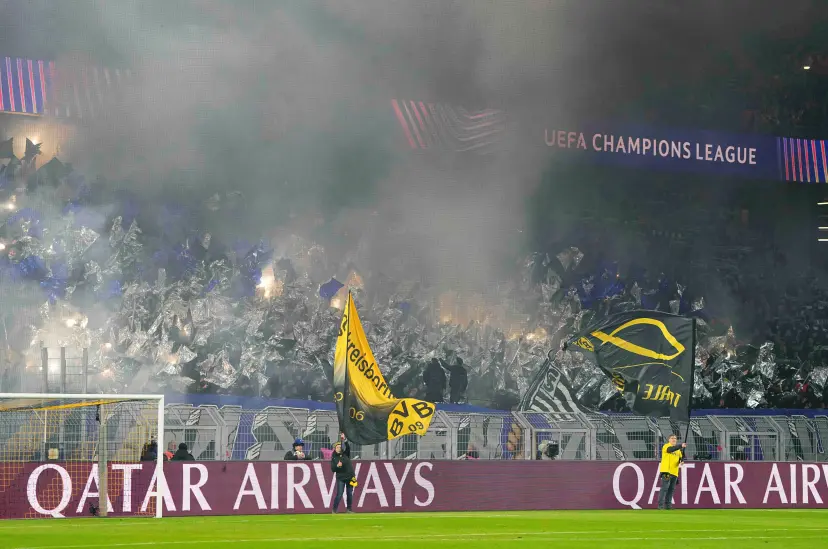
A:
103,471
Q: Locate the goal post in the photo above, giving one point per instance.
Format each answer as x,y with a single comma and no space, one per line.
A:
70,455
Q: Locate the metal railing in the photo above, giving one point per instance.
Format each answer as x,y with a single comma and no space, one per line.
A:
234,433
60,370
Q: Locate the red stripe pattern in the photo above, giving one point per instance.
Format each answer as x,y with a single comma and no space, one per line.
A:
31,86
803,160
439,126
10,85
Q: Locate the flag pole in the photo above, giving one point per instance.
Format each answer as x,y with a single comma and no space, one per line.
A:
346,385
692,382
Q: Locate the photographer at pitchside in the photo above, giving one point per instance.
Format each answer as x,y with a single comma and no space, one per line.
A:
344,471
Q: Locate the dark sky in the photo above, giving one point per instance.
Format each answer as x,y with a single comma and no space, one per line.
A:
606,44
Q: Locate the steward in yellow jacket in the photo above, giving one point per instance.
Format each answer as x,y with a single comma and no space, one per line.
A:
671,456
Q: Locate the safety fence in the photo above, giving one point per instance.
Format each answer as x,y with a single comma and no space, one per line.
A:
59,369
232,433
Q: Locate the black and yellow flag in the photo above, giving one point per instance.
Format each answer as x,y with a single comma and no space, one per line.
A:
650,357
368,412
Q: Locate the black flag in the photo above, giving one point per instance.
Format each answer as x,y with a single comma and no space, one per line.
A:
13,165
650,356
53,171
32,150
7,148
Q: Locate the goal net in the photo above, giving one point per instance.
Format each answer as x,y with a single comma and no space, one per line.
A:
62,455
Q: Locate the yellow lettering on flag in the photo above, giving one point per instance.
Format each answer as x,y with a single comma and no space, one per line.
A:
354,362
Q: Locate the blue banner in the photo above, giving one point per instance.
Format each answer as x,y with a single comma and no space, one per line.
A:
424,126
753,156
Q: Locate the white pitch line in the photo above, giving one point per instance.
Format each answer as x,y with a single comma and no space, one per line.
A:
224,519
711,538
126,522
48,522
534,536
39,523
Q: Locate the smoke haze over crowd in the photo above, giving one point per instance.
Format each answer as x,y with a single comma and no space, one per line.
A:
283,101
270,119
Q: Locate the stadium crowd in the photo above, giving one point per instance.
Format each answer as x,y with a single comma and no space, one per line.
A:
228,316
708,258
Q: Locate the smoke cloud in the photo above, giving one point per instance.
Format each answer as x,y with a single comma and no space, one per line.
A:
287,103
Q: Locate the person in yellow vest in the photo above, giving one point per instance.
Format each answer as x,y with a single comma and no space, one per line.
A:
671,456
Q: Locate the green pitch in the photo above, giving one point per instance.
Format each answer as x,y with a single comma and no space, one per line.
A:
793,529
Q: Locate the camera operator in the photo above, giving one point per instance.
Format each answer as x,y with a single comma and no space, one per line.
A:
548,449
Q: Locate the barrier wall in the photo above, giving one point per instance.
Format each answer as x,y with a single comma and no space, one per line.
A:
213,488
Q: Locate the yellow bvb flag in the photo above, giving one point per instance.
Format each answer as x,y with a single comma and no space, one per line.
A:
368,412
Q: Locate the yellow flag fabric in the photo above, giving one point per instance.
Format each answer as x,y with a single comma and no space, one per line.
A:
368,412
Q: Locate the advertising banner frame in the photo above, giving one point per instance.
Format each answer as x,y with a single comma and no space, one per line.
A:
226,488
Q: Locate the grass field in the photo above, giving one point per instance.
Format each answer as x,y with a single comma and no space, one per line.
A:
720,529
